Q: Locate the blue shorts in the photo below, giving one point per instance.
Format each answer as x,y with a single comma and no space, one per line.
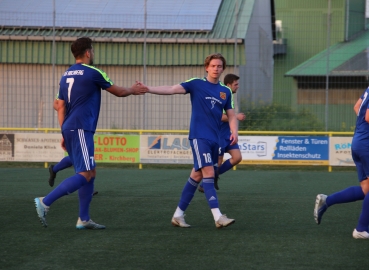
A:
80,148
205,153
361,159
225,146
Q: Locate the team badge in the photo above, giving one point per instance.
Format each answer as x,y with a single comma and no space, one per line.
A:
223,95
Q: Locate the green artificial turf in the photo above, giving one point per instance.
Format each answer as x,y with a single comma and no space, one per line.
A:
274,226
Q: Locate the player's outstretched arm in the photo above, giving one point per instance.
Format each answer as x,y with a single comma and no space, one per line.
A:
166,89
233,125
240,117
119,91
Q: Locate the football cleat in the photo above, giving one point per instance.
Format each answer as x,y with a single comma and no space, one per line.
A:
180,222
216,179
88,225
223,221
320,207
360,235
41,210
52,176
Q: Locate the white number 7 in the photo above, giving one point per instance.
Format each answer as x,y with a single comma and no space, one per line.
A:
70,81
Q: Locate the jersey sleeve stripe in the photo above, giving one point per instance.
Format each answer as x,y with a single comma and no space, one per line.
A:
105,76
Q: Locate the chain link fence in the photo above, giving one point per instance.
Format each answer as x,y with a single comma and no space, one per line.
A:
302,65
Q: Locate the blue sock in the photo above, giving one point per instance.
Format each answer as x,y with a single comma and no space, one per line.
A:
66,162
85,197
226,166
210,193
364,216
187,194
347,195
66,187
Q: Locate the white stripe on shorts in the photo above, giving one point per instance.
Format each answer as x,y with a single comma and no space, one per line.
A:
82,141
196,147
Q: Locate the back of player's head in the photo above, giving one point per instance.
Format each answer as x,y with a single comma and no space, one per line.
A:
215,56
80,46
230,78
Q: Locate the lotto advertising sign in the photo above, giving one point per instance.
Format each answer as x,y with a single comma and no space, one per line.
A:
31,147
340,151
117,149
169,149
285,150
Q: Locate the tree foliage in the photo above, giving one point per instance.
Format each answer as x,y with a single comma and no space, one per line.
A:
275,117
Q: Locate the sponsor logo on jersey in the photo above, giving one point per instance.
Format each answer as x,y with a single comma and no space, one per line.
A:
73,72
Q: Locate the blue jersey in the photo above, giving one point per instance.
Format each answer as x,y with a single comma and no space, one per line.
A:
80,88
208,102
361,135
225,130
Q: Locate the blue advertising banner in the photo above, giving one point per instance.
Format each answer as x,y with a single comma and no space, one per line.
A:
302,148
284,150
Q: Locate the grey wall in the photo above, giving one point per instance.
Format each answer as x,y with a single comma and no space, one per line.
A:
256,83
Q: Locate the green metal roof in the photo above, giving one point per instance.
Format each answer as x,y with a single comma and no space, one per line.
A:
112,53
344,59
223,31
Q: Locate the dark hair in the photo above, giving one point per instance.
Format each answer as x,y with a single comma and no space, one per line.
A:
230,78
80,46
215,56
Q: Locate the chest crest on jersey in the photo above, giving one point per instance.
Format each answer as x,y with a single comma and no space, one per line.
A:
223,95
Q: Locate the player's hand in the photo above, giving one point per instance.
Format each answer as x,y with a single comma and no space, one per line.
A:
62,144
139,88
234,139
241,116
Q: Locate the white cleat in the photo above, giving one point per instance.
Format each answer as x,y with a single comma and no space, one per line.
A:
223,221
360,235
180,222
320,207
88,225
41,210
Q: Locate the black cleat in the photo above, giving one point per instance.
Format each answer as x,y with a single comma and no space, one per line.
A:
95,193
216,178
200,189
52,176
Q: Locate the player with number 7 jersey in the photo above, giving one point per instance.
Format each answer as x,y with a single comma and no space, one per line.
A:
78,113
80,88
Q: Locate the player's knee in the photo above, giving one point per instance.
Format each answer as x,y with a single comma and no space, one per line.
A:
365,186
88,175
237,159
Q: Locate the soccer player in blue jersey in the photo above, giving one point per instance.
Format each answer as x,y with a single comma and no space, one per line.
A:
208,98
360,155
225,146
78,113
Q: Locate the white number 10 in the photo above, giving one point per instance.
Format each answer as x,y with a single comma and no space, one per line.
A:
70,82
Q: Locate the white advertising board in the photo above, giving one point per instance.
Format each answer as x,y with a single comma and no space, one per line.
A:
340,151
31,147
169,149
